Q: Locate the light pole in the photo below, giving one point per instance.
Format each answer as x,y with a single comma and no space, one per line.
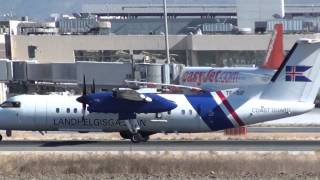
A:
166,72
166,30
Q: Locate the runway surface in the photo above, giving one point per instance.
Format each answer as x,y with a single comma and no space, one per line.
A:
160,146
284,129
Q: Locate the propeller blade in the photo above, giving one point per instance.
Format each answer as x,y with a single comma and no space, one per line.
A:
84,93
93,88
84,107
84,90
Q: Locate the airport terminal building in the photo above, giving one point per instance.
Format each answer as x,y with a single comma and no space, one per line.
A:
200,34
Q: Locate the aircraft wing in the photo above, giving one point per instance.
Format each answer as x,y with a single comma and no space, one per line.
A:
130,94
262,78
171,87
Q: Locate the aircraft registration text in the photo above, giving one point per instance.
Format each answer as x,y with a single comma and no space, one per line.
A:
78,122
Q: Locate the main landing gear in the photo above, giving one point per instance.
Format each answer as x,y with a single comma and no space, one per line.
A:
134,134
137,137
133,131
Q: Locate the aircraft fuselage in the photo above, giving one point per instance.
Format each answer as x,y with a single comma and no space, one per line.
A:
194,113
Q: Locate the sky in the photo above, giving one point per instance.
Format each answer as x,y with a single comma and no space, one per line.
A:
43,8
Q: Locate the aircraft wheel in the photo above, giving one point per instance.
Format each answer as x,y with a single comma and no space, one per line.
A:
0,137
125,134
136,138
145,138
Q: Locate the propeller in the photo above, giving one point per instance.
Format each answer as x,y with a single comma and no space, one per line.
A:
82,99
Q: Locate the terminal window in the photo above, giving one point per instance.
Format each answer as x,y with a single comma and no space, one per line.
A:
230,58
32,51
102,55
148,56
156,56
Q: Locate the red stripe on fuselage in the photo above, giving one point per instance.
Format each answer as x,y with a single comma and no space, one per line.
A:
230,108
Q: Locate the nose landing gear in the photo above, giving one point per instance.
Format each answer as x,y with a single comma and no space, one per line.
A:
8,133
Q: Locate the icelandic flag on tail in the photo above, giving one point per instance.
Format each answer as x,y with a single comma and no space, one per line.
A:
295,73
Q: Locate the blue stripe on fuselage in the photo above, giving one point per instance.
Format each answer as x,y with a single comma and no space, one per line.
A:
209,111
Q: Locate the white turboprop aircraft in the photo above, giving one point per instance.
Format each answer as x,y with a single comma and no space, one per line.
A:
291,91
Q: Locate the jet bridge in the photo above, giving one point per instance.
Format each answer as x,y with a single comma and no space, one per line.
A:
24,75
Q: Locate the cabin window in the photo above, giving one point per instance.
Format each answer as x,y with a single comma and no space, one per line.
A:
75,110
190,112
57,110
68,110
183,112
11,104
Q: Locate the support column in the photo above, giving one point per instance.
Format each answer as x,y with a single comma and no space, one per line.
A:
194,58
3,92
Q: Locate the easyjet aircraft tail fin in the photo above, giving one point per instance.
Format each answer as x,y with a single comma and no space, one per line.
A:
275,55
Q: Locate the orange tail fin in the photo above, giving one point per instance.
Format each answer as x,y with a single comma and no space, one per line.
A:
275,54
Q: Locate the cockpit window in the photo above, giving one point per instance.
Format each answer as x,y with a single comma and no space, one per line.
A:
11,104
